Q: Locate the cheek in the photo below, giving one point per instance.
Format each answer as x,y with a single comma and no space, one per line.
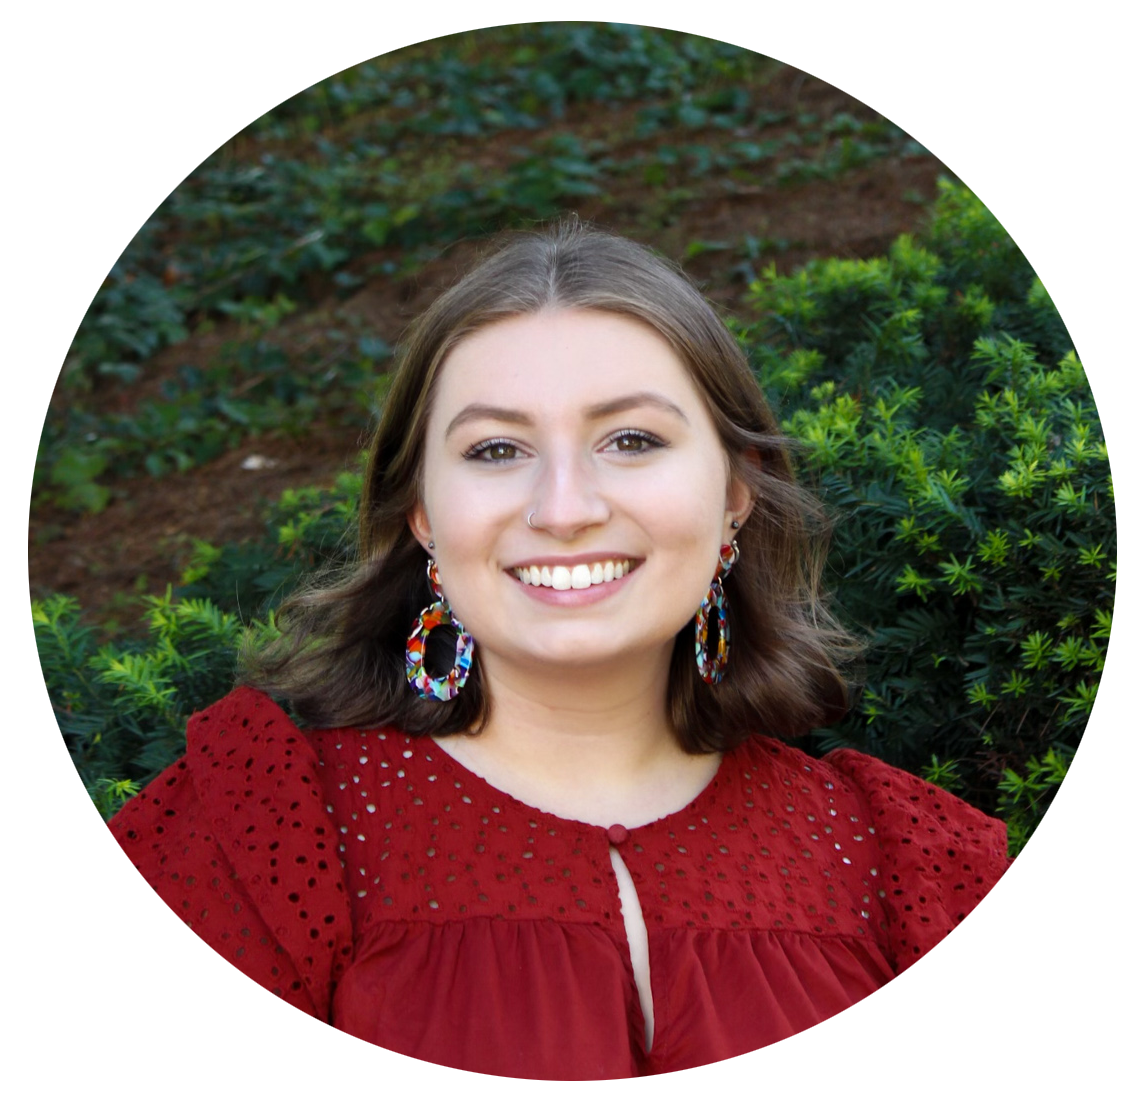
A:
687,506
467,515
686,539
457,502
468,521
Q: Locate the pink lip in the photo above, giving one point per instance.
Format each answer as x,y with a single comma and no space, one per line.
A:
572,598
583,598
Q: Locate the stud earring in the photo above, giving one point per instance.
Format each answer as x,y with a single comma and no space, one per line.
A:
712,668
441,689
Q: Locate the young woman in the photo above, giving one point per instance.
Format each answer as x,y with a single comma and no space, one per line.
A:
540,823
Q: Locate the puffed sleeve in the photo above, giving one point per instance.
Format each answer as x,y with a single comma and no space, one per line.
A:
236,839
939,855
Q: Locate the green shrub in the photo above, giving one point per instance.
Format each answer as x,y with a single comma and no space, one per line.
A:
306,529
974,544
122,707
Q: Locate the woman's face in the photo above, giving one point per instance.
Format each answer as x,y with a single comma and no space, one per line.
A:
589,424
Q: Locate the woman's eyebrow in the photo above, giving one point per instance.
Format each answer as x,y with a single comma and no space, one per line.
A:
475,411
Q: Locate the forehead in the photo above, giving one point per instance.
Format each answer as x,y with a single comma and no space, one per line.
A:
562,359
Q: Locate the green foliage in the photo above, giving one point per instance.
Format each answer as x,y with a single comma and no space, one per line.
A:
524,75
370,173
133,315
1024,798
306,529
340,169
974,541
123,707
250,387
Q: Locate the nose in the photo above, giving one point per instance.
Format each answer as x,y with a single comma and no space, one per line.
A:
567,497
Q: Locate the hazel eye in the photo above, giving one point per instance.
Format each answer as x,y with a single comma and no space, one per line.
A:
493,451
633,441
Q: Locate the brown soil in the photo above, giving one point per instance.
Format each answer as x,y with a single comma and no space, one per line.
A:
140,542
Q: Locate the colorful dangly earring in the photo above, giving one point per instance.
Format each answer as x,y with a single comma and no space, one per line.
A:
712,668
441,688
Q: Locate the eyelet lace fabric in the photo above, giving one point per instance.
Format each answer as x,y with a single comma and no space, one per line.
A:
372,881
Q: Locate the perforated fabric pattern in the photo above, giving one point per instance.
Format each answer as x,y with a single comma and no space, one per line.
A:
235,838
940,855
369,878
426,840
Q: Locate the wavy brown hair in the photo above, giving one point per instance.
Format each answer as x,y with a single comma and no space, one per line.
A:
340,656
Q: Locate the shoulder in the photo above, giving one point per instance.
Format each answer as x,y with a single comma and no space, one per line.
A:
941,856
898,804
236,838
242,743
244,716
245,750
914,808
774,765
246,766
927,856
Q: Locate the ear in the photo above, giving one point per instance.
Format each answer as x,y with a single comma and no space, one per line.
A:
740,499
739,504
420,527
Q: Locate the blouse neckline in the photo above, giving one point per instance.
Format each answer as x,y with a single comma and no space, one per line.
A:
698,800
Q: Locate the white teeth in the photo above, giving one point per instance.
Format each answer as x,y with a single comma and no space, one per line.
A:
577,577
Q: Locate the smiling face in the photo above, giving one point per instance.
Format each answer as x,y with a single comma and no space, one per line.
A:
587,424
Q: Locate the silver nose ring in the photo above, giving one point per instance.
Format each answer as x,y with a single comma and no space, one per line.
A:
529,521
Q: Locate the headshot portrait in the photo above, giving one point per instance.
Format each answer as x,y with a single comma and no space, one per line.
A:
575,551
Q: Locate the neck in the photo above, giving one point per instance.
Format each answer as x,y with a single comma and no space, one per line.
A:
594,747
617,719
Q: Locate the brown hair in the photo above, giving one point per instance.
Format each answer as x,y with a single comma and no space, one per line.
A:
340,658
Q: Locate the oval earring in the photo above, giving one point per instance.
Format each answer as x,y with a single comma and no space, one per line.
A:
712,668
440,689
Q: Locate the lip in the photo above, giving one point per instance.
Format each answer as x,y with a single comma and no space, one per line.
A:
585,597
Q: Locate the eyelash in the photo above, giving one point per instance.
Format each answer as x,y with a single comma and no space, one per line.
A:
475,453
650,440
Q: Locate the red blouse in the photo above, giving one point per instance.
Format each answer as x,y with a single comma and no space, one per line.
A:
371,880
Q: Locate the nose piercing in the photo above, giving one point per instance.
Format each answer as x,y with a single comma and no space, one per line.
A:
529,517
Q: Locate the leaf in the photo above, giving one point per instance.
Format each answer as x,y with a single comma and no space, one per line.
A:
75,466
88,496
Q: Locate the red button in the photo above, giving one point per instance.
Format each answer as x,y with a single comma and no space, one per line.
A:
618,835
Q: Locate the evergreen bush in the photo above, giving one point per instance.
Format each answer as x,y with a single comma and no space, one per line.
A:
123,706
948,425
